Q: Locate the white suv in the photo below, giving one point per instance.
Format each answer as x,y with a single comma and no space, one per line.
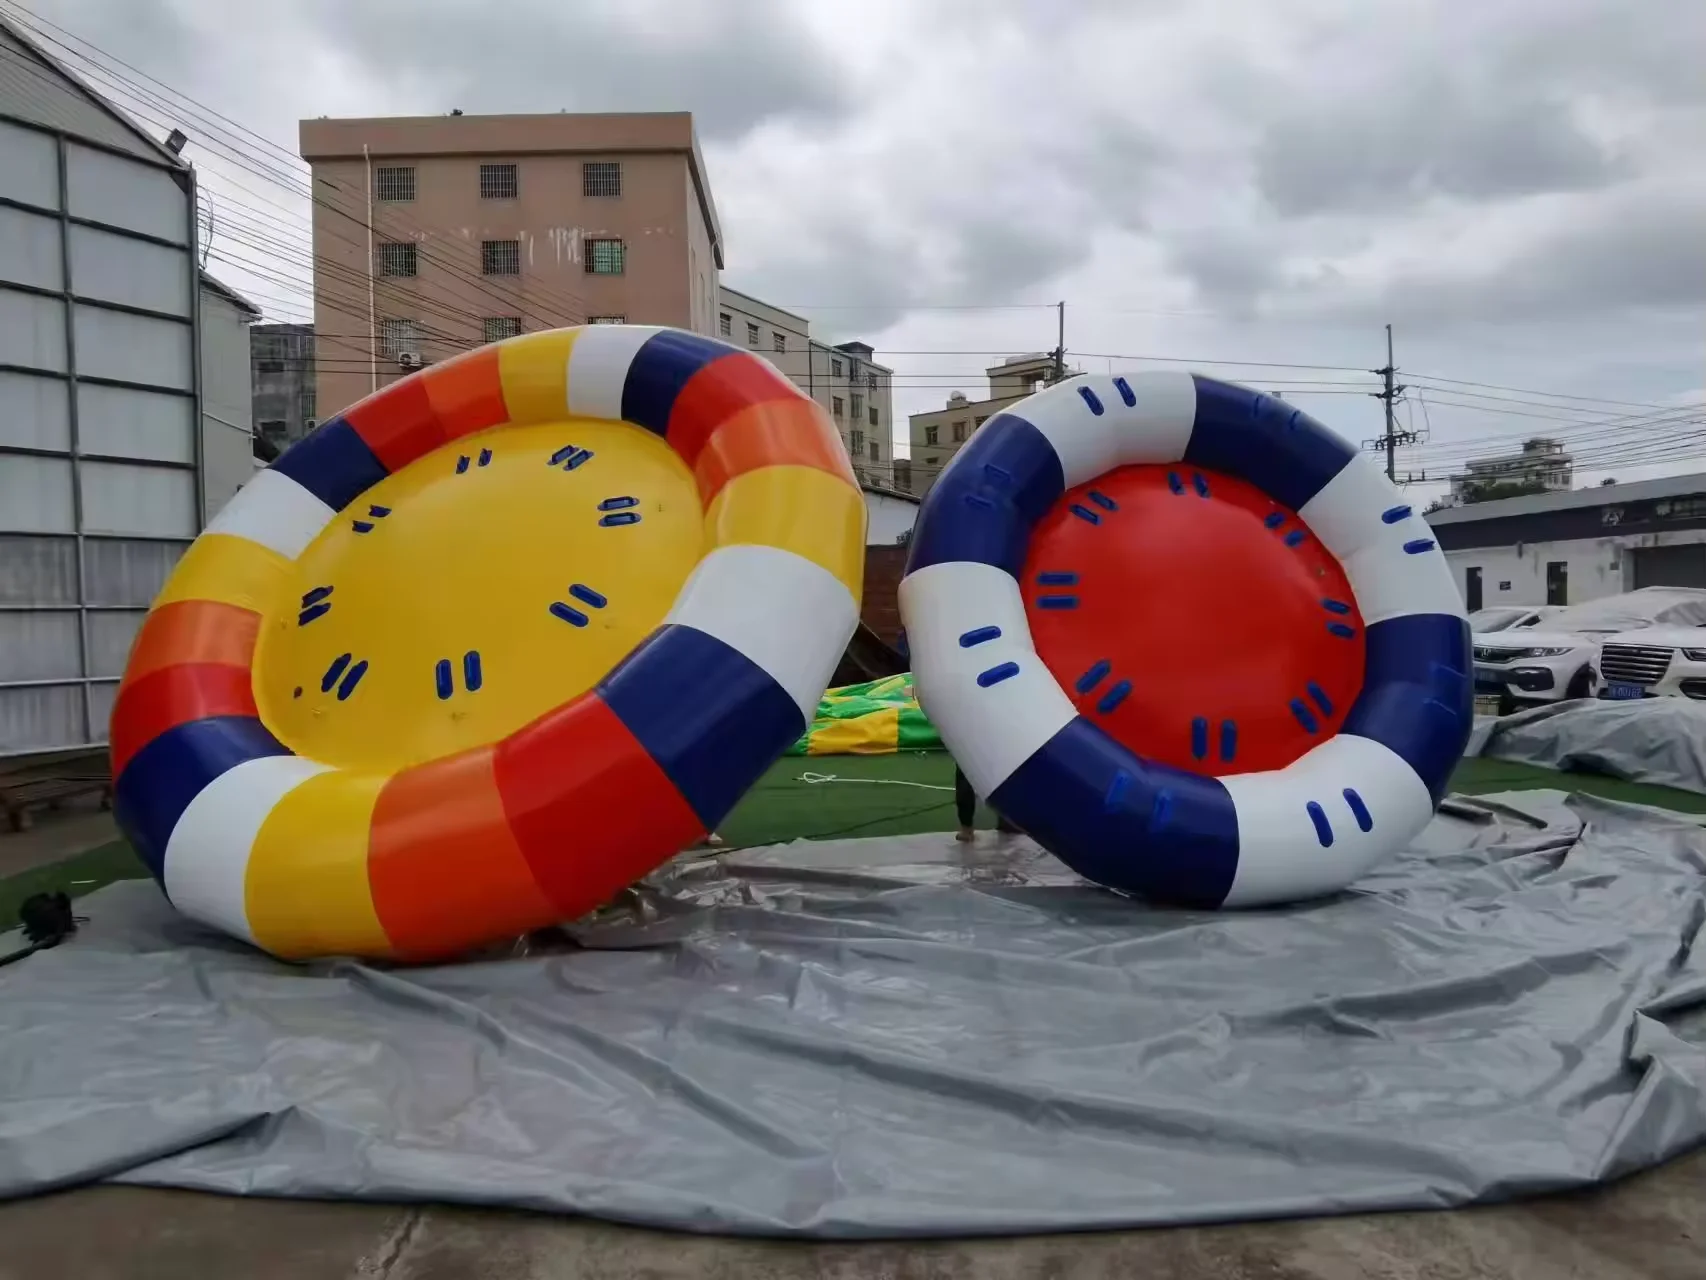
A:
1658,662
1555,659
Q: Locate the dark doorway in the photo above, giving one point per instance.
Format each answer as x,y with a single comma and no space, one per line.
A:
1557,582
1472,589
1683,566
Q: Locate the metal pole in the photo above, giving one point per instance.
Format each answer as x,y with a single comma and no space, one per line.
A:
74,441
1390,396
372,321
1060,342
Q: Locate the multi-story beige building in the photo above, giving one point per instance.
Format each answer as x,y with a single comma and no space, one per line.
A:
857,391
937,435
433,234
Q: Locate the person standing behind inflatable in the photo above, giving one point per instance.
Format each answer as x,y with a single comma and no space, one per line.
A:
965,798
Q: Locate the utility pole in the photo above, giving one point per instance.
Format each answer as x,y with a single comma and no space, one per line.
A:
1393,437
1059,352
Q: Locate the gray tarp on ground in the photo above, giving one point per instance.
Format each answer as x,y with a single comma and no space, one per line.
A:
898,1037
1656,740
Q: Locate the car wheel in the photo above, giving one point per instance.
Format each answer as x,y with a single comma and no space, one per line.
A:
1579,685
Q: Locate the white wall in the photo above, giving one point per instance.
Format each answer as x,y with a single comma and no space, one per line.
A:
887,519
227,422
1597,566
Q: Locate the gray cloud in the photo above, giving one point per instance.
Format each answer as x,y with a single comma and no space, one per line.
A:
734,66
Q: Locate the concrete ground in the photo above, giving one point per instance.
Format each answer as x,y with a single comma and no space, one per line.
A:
1652,1227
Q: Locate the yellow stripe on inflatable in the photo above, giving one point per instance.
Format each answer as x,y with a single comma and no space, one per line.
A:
306,891
229,570
534,372
876,734
815,515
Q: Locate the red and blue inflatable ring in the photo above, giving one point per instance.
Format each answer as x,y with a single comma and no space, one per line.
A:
1132,824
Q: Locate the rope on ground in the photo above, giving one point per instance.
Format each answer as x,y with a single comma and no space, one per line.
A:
814,779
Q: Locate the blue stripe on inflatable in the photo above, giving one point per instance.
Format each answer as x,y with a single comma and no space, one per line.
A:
160,780
713,719
1262,440
1417,696
1124,822
660,369
984,506
333,463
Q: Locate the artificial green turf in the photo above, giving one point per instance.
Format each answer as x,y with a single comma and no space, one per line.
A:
871,796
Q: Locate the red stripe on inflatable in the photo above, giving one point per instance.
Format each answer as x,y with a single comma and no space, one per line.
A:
467,392
591,811
398,423
145,708
445,870
193,631
716,393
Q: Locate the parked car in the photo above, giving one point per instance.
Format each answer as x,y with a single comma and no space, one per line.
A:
1657,662
1510,617
1555,659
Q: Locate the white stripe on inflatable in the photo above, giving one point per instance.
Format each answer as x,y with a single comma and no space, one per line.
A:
790,616
1388,581
991,730
598,367
275,511
1280,855
1157,428
207,855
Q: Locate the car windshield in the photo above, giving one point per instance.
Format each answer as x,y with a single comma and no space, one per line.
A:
1483,620
1630,612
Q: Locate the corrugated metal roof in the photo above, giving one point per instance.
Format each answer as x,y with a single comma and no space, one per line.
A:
36,87
1599,496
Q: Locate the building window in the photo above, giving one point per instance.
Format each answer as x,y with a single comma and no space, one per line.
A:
836,406
959,432
871,380
498,182
853,371
876,453
497,328
751,334
269,366
394,183
835,368
778,342
399,337
873,413
500,257
608,320
725,325
930,433
981,419
601,178
858,406
604,257
398,258
858,441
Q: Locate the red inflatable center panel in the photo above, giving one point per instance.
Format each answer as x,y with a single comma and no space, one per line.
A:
1193,619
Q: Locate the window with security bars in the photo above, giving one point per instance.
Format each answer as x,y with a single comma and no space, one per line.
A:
500,257
858,405
605,257
498,182
751,334
394,183
601,178
930,434
398,337
497,328
778,342
858,440
959,432
836,406
725,325
870,380
835,368
608,320
399,258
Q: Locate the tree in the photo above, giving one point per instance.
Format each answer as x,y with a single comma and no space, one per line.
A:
1493,490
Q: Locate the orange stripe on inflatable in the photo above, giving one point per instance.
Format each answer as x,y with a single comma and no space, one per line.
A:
591,811
398,423
467,392
193,631
164,699
794,432
445,871
716,393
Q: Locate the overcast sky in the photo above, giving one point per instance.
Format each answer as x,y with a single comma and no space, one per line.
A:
1518,186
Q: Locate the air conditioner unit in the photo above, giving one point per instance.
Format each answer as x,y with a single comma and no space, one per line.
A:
409,360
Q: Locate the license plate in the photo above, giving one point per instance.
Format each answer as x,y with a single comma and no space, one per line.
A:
1620,692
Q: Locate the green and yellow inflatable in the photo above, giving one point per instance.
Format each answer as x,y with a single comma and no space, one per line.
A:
872,719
